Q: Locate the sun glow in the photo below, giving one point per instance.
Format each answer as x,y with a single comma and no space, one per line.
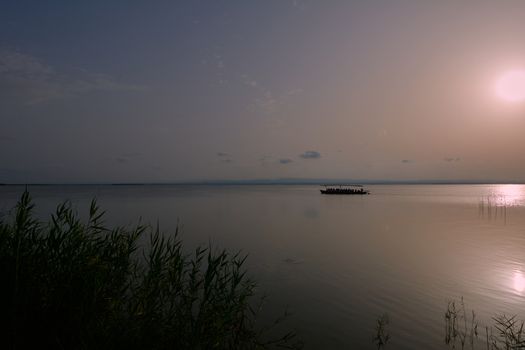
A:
511,86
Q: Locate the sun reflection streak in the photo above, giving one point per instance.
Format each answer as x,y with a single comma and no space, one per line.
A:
519,282
509,195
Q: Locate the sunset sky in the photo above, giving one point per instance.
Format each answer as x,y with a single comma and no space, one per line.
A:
167,91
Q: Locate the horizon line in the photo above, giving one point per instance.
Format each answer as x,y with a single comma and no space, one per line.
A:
279,181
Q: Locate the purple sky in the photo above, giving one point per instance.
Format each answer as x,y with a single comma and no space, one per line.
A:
137,91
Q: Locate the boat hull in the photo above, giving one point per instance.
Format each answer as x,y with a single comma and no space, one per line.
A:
344,192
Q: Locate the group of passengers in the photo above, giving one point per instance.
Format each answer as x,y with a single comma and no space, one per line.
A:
345,190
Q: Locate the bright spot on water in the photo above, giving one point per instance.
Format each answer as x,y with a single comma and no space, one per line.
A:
509,195
519,282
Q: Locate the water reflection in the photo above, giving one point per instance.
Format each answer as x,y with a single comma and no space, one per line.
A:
311,213
500,197
338,263
508,195
519,282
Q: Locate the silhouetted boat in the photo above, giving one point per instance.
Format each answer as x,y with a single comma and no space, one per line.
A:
344,189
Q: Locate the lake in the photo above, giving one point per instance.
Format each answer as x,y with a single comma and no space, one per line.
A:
337,263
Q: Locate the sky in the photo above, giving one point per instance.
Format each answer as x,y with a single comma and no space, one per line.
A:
169,91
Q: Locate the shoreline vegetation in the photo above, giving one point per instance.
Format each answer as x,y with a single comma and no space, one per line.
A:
68,284
463,331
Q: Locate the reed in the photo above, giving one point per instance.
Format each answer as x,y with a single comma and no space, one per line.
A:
493,207
382,336
461,330
71,284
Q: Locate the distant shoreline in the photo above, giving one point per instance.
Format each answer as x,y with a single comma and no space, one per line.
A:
278,182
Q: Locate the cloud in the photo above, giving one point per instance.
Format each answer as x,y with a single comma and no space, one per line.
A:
25,77
224,157
6,173
14,62
6,138
126,157
7,170
407,161
264,160
298,4
310,155
267,100
285,161
449,160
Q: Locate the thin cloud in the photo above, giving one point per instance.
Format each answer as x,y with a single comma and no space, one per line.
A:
7,170
27,78
310,155
224,157
449,160
15,62
6,138
267,100
407,161
285,161
127,157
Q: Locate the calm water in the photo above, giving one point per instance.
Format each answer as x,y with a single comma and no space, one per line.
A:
339,262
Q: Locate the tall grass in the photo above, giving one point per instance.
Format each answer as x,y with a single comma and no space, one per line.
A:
382,336
462,330
73,284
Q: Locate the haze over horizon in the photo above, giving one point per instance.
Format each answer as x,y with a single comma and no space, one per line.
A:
144,92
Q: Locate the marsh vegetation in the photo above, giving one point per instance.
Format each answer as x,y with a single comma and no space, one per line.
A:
464,331
70,284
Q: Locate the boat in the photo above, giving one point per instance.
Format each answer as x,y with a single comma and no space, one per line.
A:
344,189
